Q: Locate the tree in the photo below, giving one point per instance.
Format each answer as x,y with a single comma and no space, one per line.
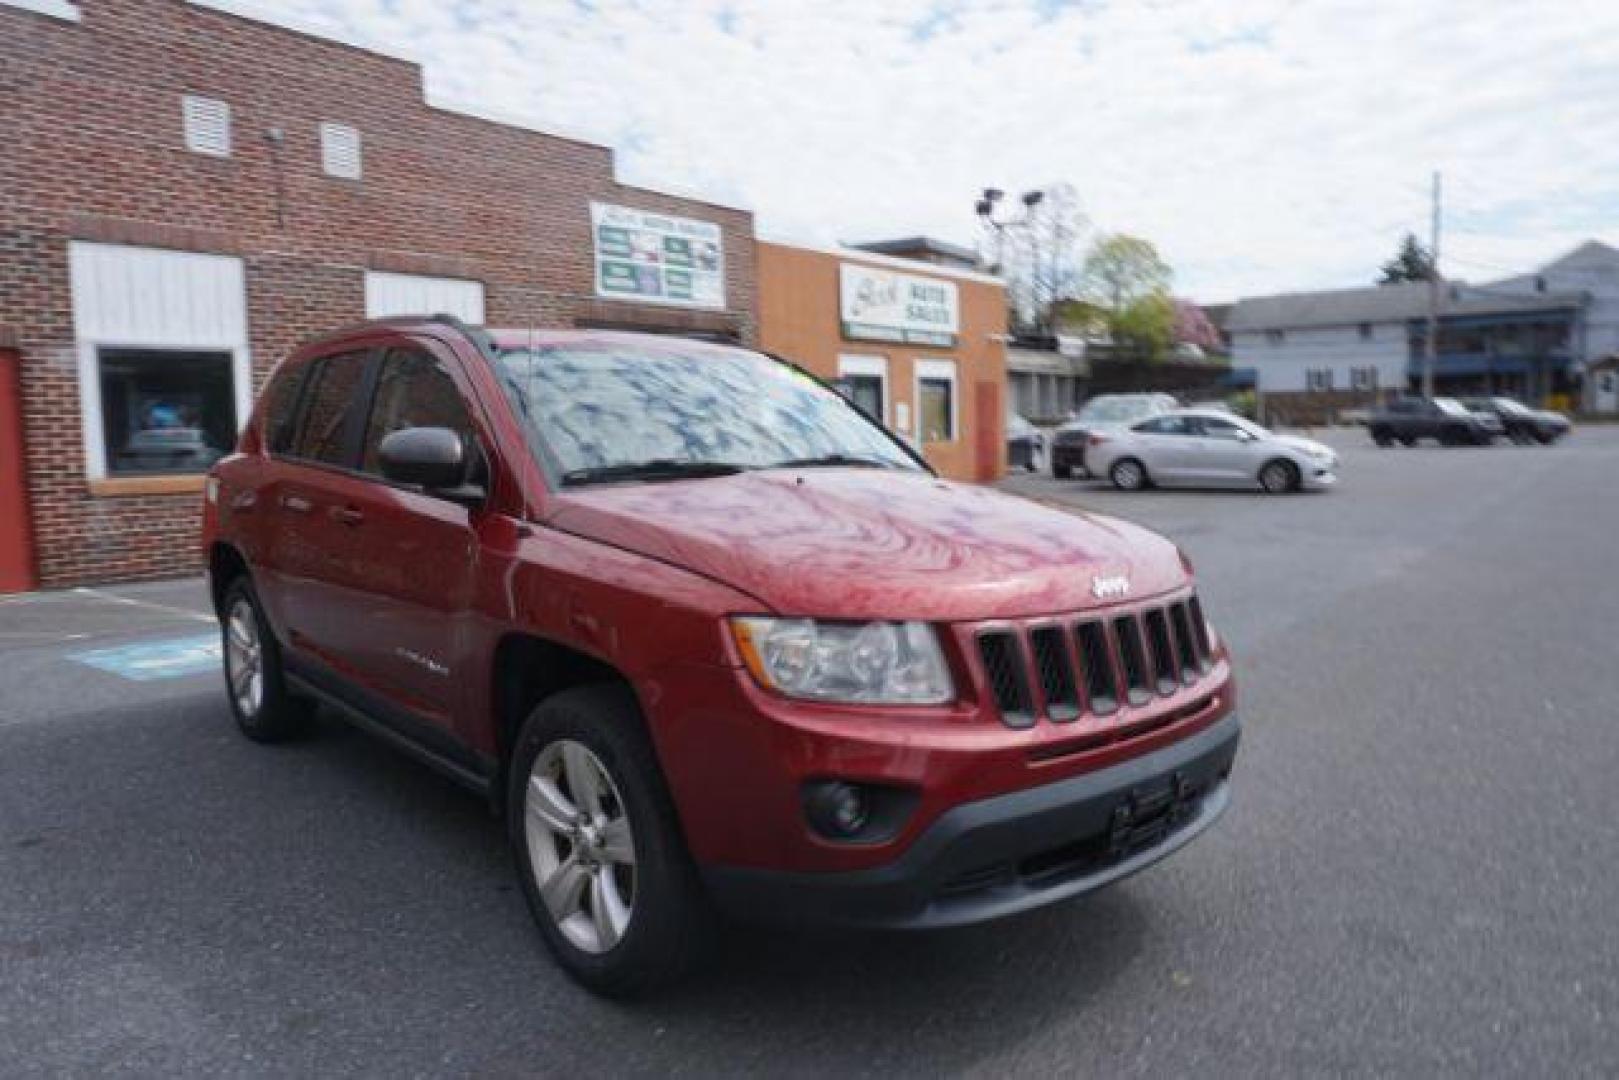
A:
1413,262
1193,327
1145,326
1129,280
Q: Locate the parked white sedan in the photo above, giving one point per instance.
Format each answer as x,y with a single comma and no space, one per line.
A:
1204,448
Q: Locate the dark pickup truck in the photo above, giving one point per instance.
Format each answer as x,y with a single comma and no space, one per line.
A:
1407,420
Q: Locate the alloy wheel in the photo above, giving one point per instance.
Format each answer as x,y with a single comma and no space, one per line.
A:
580,845
1276,478
244,659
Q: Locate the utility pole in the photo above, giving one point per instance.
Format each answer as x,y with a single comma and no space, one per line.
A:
1430,352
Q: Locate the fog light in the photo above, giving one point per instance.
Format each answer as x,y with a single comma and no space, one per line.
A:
838,810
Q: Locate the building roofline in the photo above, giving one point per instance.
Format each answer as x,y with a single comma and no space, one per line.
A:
297,24
922,243
294,24
914,266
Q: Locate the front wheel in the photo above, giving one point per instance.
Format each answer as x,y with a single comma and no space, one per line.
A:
1061,472
1381,437
603,865
1128,474
1279,477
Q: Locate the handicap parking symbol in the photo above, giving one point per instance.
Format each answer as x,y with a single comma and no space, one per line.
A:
148,661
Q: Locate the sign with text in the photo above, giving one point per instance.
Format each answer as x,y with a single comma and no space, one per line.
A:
657,257
882,305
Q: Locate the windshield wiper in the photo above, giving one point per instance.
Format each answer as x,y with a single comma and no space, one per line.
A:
656,469
832,461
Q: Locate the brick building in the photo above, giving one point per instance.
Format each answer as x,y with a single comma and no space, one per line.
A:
920,345
185,194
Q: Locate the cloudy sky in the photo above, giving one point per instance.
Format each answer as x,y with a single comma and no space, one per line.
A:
1263,145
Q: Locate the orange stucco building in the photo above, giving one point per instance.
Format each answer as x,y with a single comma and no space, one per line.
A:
922,346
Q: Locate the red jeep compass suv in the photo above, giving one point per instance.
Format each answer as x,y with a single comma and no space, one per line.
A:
708,636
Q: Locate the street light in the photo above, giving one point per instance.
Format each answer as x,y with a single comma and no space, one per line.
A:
1023,220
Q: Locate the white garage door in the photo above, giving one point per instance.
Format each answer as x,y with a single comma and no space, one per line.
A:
416,294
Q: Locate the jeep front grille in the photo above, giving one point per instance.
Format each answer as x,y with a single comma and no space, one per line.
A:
1060,670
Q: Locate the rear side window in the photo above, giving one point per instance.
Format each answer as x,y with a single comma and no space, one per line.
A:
330,386
281,409
413,390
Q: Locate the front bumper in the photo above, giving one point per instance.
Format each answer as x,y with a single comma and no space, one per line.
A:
1319,477
1009,853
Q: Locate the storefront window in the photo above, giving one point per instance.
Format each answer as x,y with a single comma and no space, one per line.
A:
936,400
165,411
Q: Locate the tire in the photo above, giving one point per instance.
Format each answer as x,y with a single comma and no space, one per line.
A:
1061,472
1128,474
1408,440
1279,476
255,682
1382,437
631,915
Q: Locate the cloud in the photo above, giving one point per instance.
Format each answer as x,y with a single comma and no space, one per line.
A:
1262,144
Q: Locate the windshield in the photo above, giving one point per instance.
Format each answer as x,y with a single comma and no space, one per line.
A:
1451,406
1115,410
1507,405
601,410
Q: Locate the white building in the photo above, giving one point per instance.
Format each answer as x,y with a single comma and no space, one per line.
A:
1531,335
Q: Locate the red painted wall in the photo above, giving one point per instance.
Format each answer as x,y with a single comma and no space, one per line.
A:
16,528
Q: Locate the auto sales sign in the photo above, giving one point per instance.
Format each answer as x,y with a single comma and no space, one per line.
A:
881,305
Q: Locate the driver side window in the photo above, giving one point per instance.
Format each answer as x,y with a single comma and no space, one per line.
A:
1222,429
413,390
1166,425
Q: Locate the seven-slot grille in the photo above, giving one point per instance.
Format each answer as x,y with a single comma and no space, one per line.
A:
1095,662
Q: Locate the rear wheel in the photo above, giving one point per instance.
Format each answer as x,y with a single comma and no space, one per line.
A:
1061,472
1382,437
265,710
1128,474
1408,440
603,865
1279,477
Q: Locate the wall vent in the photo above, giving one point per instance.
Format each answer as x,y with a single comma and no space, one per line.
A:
340,151
207,125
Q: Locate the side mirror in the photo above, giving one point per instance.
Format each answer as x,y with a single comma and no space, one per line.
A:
1246,436
432,458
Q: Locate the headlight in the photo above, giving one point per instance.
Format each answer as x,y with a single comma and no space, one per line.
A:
857,663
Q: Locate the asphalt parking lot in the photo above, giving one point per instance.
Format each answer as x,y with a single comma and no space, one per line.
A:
1419,874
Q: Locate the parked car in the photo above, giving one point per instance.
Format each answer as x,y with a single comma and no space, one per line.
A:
172,449
704,633
1025,444
1410,419
1201,448
1105,412
1521,423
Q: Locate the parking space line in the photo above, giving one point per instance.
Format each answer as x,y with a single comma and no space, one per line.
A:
169,609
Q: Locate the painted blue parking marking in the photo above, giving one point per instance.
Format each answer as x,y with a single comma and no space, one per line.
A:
148,661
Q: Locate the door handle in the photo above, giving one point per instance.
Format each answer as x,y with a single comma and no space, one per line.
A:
297,504
348,515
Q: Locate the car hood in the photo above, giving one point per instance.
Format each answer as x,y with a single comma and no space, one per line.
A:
1546,416
869,544
1307,446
